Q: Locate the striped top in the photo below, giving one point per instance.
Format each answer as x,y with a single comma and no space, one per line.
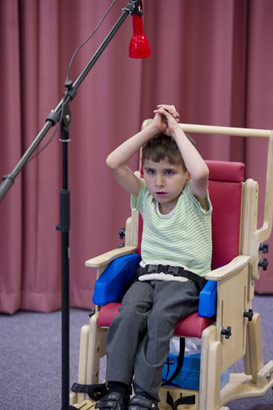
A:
180,238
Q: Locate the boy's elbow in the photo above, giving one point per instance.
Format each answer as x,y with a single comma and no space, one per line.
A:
205,173
202,176
114,166
110,162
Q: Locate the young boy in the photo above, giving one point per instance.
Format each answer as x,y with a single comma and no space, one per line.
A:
176,255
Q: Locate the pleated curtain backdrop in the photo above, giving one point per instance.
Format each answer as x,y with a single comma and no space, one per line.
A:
212,59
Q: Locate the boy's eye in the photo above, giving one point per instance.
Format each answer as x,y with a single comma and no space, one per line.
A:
169,172
150,171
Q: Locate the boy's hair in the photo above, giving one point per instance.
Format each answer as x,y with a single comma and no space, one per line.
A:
162,146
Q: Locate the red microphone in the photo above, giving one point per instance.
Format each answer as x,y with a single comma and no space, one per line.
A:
139,46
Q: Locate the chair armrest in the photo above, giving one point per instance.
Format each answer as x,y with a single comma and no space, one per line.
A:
233,299
115,279
229,270
107,257
208,295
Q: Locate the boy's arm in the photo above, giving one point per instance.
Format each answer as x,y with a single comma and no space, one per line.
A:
118,159
196,166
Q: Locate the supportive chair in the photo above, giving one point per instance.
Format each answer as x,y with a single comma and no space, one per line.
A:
230,332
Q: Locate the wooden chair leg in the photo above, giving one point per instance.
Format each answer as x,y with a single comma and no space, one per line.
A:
254,354
208,336
78,397
214,376
96,349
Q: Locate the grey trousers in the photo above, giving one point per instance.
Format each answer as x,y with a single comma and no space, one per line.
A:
138,338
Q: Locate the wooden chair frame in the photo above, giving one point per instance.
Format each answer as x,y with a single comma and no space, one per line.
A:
235,291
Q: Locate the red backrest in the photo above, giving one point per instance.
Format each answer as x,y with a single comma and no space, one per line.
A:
225,190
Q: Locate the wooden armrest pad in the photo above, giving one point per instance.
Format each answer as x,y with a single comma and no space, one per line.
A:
107,257
227,271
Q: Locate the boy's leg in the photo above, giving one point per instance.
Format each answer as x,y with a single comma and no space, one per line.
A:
122,342
172,301
126,332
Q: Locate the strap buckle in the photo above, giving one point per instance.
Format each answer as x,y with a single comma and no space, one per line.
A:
176,270
163,268
157,268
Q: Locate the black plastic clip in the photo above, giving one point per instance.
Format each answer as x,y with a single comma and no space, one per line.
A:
263,264
226,332
122,234
249,314
264,247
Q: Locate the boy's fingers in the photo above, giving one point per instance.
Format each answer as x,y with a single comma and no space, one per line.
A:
169,108
165,111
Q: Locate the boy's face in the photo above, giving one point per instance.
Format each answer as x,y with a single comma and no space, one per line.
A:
165,182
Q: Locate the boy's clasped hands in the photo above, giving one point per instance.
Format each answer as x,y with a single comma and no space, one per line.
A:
166,118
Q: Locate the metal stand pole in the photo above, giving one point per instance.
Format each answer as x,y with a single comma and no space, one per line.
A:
64,228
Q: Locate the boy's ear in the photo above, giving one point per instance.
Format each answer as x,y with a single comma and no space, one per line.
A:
188,176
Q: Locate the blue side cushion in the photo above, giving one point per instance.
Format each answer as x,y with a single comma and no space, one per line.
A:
207,299
110,285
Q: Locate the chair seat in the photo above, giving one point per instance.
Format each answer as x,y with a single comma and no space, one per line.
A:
190,326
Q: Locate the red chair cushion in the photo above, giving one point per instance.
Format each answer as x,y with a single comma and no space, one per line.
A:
107,314
225,190
191,326
226,203
226,171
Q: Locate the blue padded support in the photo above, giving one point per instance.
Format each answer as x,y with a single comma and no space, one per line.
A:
110,285
207,299
189,375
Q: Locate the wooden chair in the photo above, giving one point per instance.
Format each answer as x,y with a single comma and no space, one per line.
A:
235,331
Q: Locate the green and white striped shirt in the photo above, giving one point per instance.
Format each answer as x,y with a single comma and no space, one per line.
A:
180,238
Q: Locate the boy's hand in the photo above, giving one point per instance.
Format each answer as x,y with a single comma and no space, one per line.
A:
166,118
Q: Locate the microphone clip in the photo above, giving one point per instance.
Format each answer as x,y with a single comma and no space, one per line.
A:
134,7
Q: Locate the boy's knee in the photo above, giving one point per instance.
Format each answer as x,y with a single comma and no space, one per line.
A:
159,321
132,314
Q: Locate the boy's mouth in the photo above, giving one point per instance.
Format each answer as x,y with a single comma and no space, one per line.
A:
159,193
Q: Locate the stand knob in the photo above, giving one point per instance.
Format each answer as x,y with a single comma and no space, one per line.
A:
226,332
263,264
264,247
249,314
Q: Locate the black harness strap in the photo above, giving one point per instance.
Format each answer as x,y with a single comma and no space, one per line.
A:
94,391
182,400
180,361
172,270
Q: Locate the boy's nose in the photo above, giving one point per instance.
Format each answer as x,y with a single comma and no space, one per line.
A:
160,180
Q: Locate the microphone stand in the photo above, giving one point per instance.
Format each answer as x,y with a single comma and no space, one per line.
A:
62,112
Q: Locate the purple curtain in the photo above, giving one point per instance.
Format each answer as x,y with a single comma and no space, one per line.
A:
213,60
